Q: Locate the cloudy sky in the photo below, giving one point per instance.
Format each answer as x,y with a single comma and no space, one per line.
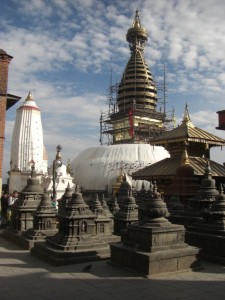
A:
64,50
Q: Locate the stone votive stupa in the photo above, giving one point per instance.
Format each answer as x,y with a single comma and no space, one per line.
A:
210,233
77,239
208,192
153,244
45,222
113,205
123,190
104,221
66,197
23,211
127,214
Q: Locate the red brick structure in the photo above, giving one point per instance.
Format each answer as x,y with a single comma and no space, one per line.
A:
4,63
221,119
6,101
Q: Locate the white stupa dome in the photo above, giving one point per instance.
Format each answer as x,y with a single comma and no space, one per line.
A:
98,167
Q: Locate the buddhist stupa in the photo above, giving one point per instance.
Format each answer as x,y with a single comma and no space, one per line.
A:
129,125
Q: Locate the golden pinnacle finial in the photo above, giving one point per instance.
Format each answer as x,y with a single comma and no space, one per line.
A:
186,118
136,22
30,96
185,158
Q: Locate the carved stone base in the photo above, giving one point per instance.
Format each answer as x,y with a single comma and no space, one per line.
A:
58,257
156,248
20,240
155,263
210,239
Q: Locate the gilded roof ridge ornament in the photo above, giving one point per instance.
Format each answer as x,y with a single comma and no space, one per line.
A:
30,96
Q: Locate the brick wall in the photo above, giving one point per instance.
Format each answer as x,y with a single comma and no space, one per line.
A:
4,63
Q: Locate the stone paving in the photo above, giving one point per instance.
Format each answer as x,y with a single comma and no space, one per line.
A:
23,277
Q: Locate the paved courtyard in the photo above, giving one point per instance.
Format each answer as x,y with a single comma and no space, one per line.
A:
26,277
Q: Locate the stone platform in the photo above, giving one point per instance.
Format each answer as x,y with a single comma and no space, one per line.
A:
58,257
149,264
210,240
24,277
19,239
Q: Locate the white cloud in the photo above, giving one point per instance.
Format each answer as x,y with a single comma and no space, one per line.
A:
63,50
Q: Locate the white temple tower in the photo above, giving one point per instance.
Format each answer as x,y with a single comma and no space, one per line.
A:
27,146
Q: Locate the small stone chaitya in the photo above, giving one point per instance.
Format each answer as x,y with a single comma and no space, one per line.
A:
80,237
153,244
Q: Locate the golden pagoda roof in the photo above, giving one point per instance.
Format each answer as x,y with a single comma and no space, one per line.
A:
167,167
187,132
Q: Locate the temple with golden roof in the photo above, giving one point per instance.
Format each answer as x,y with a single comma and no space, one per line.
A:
197,144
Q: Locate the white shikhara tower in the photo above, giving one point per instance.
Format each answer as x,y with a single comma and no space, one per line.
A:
27,145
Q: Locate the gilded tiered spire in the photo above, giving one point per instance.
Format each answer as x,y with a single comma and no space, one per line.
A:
137,88
134,118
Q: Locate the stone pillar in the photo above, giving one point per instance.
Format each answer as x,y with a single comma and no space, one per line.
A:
4,63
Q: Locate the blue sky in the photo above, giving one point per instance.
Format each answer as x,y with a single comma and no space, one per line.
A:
64,50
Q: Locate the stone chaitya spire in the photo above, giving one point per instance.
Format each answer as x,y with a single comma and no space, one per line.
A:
113,204
123,190
127,214
103,220
208,191
27,144
65,198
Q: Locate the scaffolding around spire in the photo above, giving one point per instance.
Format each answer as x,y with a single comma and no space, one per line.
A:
132,116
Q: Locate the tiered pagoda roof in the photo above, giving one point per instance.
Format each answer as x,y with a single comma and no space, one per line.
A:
198,143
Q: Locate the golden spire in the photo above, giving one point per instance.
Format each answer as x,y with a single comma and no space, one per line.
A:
137,35
136,22
185,158
118,182
30,97
186,119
